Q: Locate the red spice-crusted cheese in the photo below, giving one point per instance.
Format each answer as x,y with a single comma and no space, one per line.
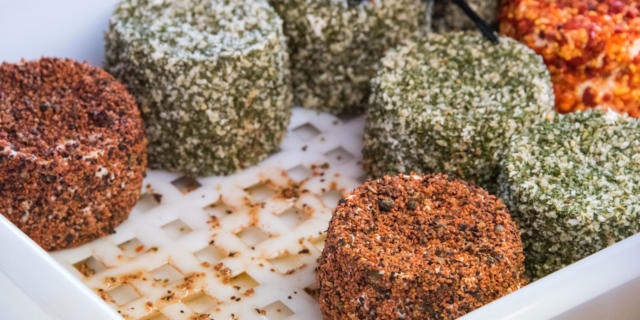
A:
417,247
72,151
590,46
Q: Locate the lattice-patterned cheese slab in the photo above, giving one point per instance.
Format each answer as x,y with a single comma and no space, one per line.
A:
237,247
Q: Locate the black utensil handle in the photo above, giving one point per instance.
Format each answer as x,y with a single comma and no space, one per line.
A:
484,28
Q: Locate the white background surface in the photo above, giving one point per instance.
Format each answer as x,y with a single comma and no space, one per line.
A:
15,304
31,29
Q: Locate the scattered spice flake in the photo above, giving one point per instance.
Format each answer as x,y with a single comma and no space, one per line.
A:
308,210
249,292
103,295
188,282
222,272
214,222
291,191
110,281
130,276
170,295
418,264
200,316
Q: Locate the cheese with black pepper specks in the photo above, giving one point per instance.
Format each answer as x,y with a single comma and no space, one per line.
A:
211,78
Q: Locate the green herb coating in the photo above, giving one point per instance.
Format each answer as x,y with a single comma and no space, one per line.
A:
449,103
211,78
335,46
572,183
449,17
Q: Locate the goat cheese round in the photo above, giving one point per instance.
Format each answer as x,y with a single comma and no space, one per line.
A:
211,78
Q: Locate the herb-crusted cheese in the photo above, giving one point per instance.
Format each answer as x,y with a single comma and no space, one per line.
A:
572,183
449,103
211,78
335,46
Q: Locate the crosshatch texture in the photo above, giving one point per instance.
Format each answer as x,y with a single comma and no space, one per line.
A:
238,247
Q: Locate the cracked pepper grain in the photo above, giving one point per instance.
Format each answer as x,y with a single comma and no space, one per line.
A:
572,184
211,78
448,17
417,247
335,46
72,151
592,48
449,103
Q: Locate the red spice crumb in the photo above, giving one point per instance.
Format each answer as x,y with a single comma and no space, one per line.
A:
249,292
72,151
139,248
589,47
214,222
417,247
